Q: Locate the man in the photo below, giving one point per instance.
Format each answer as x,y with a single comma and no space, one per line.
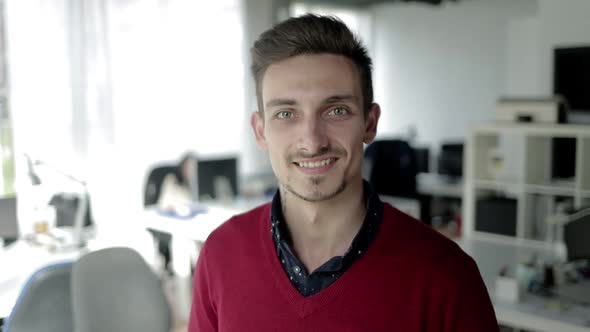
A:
327,254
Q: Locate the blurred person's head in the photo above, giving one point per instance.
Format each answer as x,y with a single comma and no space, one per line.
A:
185,171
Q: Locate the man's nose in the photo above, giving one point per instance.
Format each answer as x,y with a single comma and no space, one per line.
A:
314,137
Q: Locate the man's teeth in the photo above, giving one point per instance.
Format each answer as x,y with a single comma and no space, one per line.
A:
314,164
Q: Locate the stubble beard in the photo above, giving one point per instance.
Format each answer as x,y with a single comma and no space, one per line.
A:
316,195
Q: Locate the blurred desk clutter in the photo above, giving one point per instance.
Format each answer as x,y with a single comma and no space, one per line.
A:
188,233
184,203
64,220
400,172
441,194
507,267
175,191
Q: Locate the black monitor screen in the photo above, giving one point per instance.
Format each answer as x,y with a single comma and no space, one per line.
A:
575,236
217,178
572,76
450,159
8,218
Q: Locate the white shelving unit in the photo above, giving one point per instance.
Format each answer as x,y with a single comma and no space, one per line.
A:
527,148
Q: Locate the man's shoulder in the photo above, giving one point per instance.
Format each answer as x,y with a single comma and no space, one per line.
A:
421,242
240,227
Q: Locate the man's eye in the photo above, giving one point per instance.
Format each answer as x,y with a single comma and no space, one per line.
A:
338,111
284,115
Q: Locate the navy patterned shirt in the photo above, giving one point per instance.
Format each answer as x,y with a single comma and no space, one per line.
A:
311,283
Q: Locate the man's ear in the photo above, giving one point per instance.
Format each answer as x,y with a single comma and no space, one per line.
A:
371,121
257,123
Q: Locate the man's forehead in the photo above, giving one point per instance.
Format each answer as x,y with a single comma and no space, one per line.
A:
321,76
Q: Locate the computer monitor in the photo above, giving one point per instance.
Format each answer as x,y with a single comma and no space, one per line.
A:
450,159
217,179
571,76
575,236
8,219
571,79
66,208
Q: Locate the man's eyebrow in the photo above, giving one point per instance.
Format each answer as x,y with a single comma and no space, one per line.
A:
341,98
280,102
291,102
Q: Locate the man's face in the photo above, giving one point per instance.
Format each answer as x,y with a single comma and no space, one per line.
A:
313,125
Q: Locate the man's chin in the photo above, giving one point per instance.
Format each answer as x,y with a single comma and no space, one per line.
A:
316,193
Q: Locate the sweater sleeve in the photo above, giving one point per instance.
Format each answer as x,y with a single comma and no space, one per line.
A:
203,315
469,307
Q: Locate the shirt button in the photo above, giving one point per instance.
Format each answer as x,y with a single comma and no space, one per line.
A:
297,269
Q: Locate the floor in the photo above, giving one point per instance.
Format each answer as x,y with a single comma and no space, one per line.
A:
168,283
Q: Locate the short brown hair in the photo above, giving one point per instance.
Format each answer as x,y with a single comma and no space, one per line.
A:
311,34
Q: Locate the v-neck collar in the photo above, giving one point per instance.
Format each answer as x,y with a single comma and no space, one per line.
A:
300,304
311,282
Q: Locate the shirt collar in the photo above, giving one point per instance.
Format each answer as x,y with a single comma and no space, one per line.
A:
374,213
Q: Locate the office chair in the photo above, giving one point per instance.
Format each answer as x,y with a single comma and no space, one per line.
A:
573,228
114,289
153,185
44,303
392,168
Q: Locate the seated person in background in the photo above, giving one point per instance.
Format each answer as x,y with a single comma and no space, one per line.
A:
168,187
175,190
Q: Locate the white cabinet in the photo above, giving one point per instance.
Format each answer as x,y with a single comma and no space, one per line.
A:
514,161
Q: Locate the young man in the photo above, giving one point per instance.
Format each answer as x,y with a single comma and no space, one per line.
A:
327,254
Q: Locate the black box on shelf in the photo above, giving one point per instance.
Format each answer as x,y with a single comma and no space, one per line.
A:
496,215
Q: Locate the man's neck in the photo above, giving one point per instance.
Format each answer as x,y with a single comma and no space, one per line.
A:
322,230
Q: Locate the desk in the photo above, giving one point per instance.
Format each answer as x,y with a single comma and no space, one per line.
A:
531,312
439,195
18,261
185,233
431,184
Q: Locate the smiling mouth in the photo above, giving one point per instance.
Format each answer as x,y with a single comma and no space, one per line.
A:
315,164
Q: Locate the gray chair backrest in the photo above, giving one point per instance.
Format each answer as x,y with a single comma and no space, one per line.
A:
115,290
44,303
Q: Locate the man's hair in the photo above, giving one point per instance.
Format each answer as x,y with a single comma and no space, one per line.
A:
311,34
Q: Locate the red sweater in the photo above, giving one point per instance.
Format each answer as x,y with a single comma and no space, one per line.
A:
410,279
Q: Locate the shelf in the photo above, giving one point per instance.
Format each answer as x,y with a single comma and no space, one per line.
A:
535,129
510,240
515,160
504,185
556,189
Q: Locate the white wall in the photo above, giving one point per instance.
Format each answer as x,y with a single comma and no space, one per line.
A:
440,68
258,16
556,24
522,58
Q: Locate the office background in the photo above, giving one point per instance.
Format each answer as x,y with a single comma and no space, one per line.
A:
105,90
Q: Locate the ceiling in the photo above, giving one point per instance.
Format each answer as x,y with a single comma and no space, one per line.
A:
364,3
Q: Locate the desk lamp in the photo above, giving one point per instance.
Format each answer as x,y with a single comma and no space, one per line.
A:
78,240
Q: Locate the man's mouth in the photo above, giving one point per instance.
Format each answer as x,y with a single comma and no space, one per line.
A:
316,163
